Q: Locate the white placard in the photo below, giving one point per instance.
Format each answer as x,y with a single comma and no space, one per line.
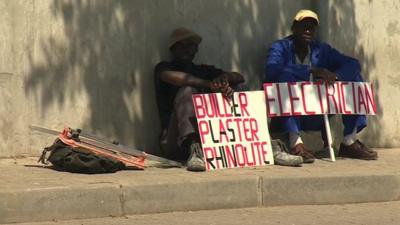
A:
315,98
233,133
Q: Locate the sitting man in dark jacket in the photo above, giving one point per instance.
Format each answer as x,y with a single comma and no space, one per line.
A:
299,57
176,81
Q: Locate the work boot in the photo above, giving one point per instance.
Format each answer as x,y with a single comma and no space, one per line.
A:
300,150
196,159
281,155
324,152
357,150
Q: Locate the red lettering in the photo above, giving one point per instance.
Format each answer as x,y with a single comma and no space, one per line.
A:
240,148
370,98
304,98
361,100
253,162
209,108
280,102
292,98
198,103
266,85
321,103
345,111
339,98
238,125
254,129
332,96
243,104
246,129
227,111
354,98
214,105
257,144
203,130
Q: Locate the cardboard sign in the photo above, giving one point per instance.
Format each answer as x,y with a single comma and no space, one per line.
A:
313,98
233,133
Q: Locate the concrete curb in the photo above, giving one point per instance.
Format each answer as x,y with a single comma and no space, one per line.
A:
31,193
331,190
226,192
46,204
63,203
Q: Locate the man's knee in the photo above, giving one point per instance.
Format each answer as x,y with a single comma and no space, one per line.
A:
357,78
184,92
183,99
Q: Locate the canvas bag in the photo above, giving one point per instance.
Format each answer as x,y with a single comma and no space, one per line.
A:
65,158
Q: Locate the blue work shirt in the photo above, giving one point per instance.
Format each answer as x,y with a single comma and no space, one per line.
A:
281,63
281,67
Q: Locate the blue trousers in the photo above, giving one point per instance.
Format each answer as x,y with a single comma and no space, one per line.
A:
296,124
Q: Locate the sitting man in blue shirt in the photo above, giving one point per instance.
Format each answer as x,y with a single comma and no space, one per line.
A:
299,57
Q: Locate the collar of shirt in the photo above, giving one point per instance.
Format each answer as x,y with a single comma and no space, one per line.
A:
307,59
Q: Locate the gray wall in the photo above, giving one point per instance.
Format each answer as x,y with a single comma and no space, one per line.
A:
89,64
370,31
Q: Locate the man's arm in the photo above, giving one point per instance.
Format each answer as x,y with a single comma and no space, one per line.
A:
226,81
222,83
234,78
324,74
339,66
345,67
180,79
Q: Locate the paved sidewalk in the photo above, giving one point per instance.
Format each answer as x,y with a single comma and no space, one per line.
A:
31,193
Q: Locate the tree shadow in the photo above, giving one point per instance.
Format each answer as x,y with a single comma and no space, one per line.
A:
96,55
99,56
240,39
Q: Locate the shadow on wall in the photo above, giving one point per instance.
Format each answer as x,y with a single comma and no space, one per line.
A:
341,31
106,50
97,56
238,38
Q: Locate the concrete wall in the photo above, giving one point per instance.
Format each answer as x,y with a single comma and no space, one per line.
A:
370,31
89,64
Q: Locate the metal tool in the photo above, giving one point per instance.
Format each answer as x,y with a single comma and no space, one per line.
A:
91,141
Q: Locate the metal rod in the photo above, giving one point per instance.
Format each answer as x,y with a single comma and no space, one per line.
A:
329,137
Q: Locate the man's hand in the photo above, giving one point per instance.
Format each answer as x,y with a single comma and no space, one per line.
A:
221,84
323,74
227,92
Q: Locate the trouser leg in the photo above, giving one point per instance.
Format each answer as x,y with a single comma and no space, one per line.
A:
182,124
285,124
185,114
353,122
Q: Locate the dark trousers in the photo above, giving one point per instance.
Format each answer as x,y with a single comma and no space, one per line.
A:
181,125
